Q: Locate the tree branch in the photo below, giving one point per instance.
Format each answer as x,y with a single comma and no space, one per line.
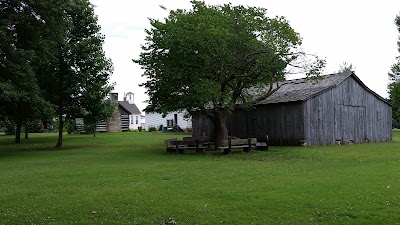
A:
270,92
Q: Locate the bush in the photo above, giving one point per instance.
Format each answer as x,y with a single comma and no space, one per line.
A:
7,127
35,126
70,126
139,128
160,127
152,129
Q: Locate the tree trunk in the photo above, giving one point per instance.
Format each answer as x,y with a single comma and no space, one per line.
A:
94,130
26,130
18,132
60,131
221,131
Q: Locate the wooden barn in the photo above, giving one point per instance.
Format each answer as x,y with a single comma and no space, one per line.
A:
338,108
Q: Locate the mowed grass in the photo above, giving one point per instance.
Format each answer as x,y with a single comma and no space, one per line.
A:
128,178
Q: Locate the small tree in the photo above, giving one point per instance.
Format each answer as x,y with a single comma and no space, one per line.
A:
98,110
208,58
346,67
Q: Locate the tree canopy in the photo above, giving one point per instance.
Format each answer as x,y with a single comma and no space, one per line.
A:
206,59
394,76
20,33
51,56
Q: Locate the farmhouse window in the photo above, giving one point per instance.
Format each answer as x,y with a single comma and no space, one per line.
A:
170,123
137,119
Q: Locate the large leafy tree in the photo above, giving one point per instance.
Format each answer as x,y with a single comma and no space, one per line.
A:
21,99
79,69
51,55
214,59
394,76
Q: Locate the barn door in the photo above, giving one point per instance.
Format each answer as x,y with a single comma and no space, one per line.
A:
359,126
350,124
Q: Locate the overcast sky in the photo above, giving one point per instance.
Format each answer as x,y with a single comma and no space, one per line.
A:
358,32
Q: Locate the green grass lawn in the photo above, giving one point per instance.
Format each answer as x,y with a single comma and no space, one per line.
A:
128,178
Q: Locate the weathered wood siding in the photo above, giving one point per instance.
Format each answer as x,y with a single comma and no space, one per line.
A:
202,126
349,113
319,119
283,123
124,122
101,126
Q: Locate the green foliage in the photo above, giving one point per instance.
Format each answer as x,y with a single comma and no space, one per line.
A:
210,54
394,76
35,126
7,127
70,126
209,57
51,61
21,99
97,110
130,179
152,129
81,82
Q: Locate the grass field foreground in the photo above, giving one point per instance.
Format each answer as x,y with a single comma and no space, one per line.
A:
128,178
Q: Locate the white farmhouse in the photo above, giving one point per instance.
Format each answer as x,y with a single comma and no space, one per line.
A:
170,121
128,107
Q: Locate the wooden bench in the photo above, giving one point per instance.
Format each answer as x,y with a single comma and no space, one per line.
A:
169,145
245,144
263,145
180,146
204,139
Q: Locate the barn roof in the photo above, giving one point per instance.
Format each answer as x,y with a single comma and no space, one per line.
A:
304,89
131,108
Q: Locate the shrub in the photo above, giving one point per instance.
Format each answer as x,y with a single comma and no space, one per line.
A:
35,126
160,127
70,127
152,129
7,127
139,128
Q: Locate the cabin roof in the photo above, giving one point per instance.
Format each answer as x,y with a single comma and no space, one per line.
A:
131,108
304,89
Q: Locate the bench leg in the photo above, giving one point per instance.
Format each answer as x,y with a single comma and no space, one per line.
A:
262,148
249,144
247,149
178,150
